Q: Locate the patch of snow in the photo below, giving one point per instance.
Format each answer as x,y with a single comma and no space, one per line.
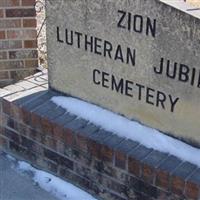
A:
11,158
123,127
59,188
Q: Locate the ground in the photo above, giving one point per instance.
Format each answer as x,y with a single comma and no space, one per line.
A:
15,186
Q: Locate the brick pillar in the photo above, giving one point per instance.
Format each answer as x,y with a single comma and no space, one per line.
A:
18,42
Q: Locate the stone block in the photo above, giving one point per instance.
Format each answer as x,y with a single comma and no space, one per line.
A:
132,70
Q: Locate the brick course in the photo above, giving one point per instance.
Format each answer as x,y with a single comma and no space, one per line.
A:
104,164
18,40
9,3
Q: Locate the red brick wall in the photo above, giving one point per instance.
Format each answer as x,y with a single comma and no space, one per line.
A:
18,43
104,164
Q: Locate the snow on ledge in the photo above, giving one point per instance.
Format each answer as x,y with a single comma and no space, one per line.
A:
128,129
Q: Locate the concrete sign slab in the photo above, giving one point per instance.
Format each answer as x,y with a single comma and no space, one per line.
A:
137,58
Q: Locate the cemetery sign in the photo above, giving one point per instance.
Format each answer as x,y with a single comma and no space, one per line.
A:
137,58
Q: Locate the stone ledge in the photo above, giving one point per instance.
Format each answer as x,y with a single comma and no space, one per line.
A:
103,163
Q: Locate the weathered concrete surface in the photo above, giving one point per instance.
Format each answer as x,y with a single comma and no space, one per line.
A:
142,90
15,186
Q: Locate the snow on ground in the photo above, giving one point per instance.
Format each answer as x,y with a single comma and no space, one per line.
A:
57,187
129,129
